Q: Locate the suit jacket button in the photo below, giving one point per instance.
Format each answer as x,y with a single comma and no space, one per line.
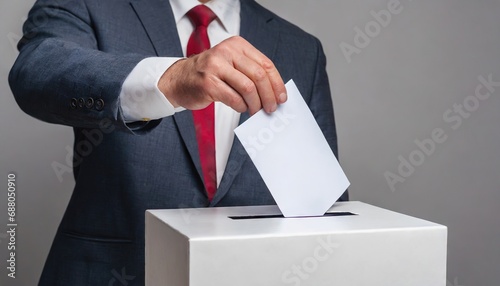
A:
99,104
73,103
81,103
89,103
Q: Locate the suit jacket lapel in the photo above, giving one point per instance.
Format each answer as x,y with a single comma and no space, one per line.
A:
185,124
158,20
159,23
236,158
257,28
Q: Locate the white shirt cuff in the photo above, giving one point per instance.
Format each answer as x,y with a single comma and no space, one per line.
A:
140,97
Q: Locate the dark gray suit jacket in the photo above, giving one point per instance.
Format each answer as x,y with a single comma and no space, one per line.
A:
73,59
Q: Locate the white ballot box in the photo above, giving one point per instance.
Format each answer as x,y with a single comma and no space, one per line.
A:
353,244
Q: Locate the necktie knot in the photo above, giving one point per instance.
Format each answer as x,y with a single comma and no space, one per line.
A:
201,15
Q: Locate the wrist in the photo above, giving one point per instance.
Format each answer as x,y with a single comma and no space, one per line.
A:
166,84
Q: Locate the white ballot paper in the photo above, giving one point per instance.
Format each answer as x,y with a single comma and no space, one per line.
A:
293,157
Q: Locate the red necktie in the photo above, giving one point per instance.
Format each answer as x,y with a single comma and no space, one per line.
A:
204,121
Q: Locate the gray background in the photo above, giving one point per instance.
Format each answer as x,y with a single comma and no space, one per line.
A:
394,91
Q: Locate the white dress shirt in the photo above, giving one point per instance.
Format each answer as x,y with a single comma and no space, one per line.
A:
140,98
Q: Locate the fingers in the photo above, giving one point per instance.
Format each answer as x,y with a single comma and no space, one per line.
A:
226,94
193,85
233,72
252,75
253,85
277,84
272,74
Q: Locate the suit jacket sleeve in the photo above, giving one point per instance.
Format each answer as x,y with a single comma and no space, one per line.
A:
60,76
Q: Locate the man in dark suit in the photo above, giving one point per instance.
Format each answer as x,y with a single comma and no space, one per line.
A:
114,71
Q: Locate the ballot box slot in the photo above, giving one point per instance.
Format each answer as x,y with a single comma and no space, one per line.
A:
328,214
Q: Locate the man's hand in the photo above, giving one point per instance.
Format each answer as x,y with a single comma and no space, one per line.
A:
232,72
